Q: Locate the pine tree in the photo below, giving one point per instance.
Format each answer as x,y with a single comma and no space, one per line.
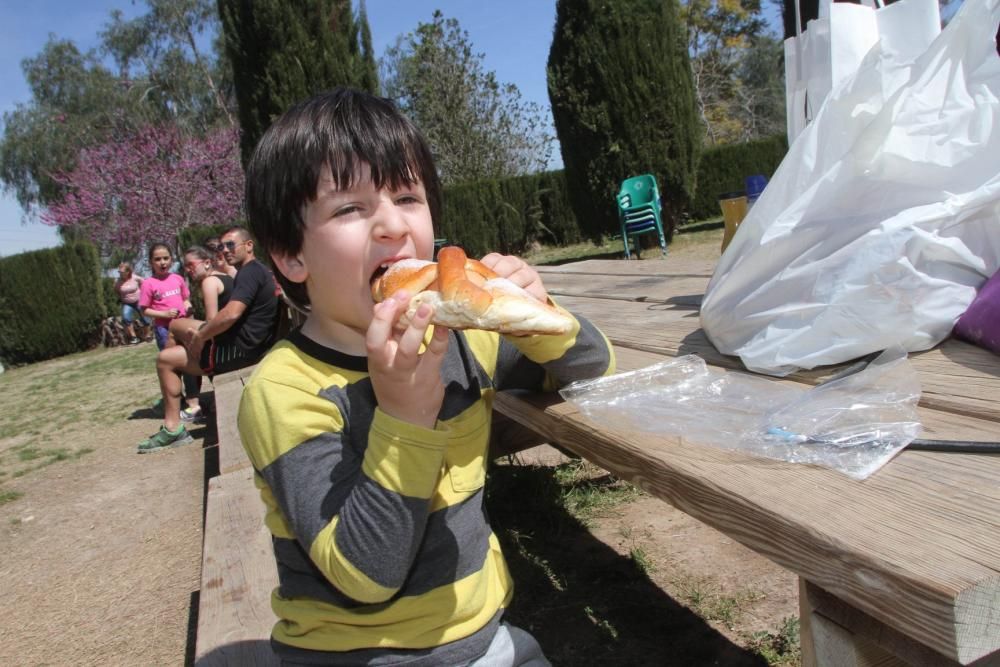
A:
283,51
623,104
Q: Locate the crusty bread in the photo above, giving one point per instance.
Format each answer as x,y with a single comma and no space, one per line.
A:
466,294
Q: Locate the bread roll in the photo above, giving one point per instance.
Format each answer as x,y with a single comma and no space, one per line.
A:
466,294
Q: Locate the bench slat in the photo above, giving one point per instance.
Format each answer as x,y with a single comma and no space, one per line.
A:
238,574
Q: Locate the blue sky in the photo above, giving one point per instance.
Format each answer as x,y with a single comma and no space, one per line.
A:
513,36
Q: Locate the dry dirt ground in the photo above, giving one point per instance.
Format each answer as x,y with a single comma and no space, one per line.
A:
100,559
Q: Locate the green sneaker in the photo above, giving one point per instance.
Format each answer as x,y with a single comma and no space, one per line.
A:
164,439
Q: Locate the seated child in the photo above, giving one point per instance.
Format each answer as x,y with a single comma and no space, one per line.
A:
369,438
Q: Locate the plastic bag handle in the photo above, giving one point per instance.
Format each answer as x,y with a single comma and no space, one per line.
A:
824,7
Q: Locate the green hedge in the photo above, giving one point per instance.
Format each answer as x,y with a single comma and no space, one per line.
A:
509,215
51,303
112,307
723,168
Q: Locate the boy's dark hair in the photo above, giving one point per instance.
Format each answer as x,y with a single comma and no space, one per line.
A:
342,129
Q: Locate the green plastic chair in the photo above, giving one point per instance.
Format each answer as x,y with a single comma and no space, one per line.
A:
639,210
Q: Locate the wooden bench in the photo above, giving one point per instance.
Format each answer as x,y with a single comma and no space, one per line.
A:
238,571
228,389
237,576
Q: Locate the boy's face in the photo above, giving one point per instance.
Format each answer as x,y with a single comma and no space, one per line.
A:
349,236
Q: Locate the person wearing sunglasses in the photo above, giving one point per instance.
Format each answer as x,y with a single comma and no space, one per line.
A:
219,263
237,337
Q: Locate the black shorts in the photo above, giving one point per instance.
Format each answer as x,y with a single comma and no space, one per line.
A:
219,357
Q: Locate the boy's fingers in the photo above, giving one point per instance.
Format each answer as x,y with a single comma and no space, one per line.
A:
380,329
413,336
439,342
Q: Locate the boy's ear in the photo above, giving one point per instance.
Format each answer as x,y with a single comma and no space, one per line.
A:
292,267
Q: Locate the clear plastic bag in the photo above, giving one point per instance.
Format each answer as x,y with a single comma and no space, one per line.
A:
853,424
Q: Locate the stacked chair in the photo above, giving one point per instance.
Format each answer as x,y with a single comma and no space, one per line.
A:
639,210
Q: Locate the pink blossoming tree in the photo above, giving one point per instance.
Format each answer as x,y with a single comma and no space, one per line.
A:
149,186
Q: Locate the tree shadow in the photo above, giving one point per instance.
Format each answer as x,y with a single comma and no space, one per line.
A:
584,602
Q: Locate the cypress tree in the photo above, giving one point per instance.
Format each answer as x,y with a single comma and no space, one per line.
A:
623,103
368,72
283,51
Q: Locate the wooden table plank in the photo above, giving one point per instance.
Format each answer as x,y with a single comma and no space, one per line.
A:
954,376
237,577
866,542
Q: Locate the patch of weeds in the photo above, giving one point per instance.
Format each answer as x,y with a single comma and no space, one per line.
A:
602,624
781,648
641,560
44,457
520,540
704,598
28,453
587,497
9,496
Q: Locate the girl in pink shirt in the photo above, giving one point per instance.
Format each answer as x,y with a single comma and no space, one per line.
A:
164,296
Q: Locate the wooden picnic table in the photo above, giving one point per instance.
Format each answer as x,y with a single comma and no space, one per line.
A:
901,568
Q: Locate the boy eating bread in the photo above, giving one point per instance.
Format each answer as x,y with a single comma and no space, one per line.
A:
368,432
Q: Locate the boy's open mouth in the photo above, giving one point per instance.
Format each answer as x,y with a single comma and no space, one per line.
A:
379,272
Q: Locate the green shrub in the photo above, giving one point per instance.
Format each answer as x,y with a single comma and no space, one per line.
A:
196,235
51,303
723,168
509,215
110,297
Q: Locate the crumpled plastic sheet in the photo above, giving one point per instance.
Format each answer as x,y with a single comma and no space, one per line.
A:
854,424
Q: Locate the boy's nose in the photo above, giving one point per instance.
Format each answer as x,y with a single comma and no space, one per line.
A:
389,222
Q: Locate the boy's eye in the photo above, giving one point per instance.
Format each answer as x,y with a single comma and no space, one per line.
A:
345,210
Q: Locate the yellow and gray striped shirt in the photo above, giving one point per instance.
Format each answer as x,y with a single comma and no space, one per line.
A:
384,550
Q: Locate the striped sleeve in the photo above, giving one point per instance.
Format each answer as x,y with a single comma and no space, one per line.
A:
549,362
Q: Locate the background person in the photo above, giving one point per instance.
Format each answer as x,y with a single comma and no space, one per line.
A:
219,263
164,296
237,337
216,287
128,287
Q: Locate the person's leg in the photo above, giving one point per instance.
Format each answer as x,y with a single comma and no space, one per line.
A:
182,330
192,392
512,647
162,336
170,363
128,316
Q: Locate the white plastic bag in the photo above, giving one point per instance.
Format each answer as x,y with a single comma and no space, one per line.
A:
883,218
832,47
854,424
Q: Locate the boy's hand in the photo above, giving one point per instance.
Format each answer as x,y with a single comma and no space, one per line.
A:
407,384
518,272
